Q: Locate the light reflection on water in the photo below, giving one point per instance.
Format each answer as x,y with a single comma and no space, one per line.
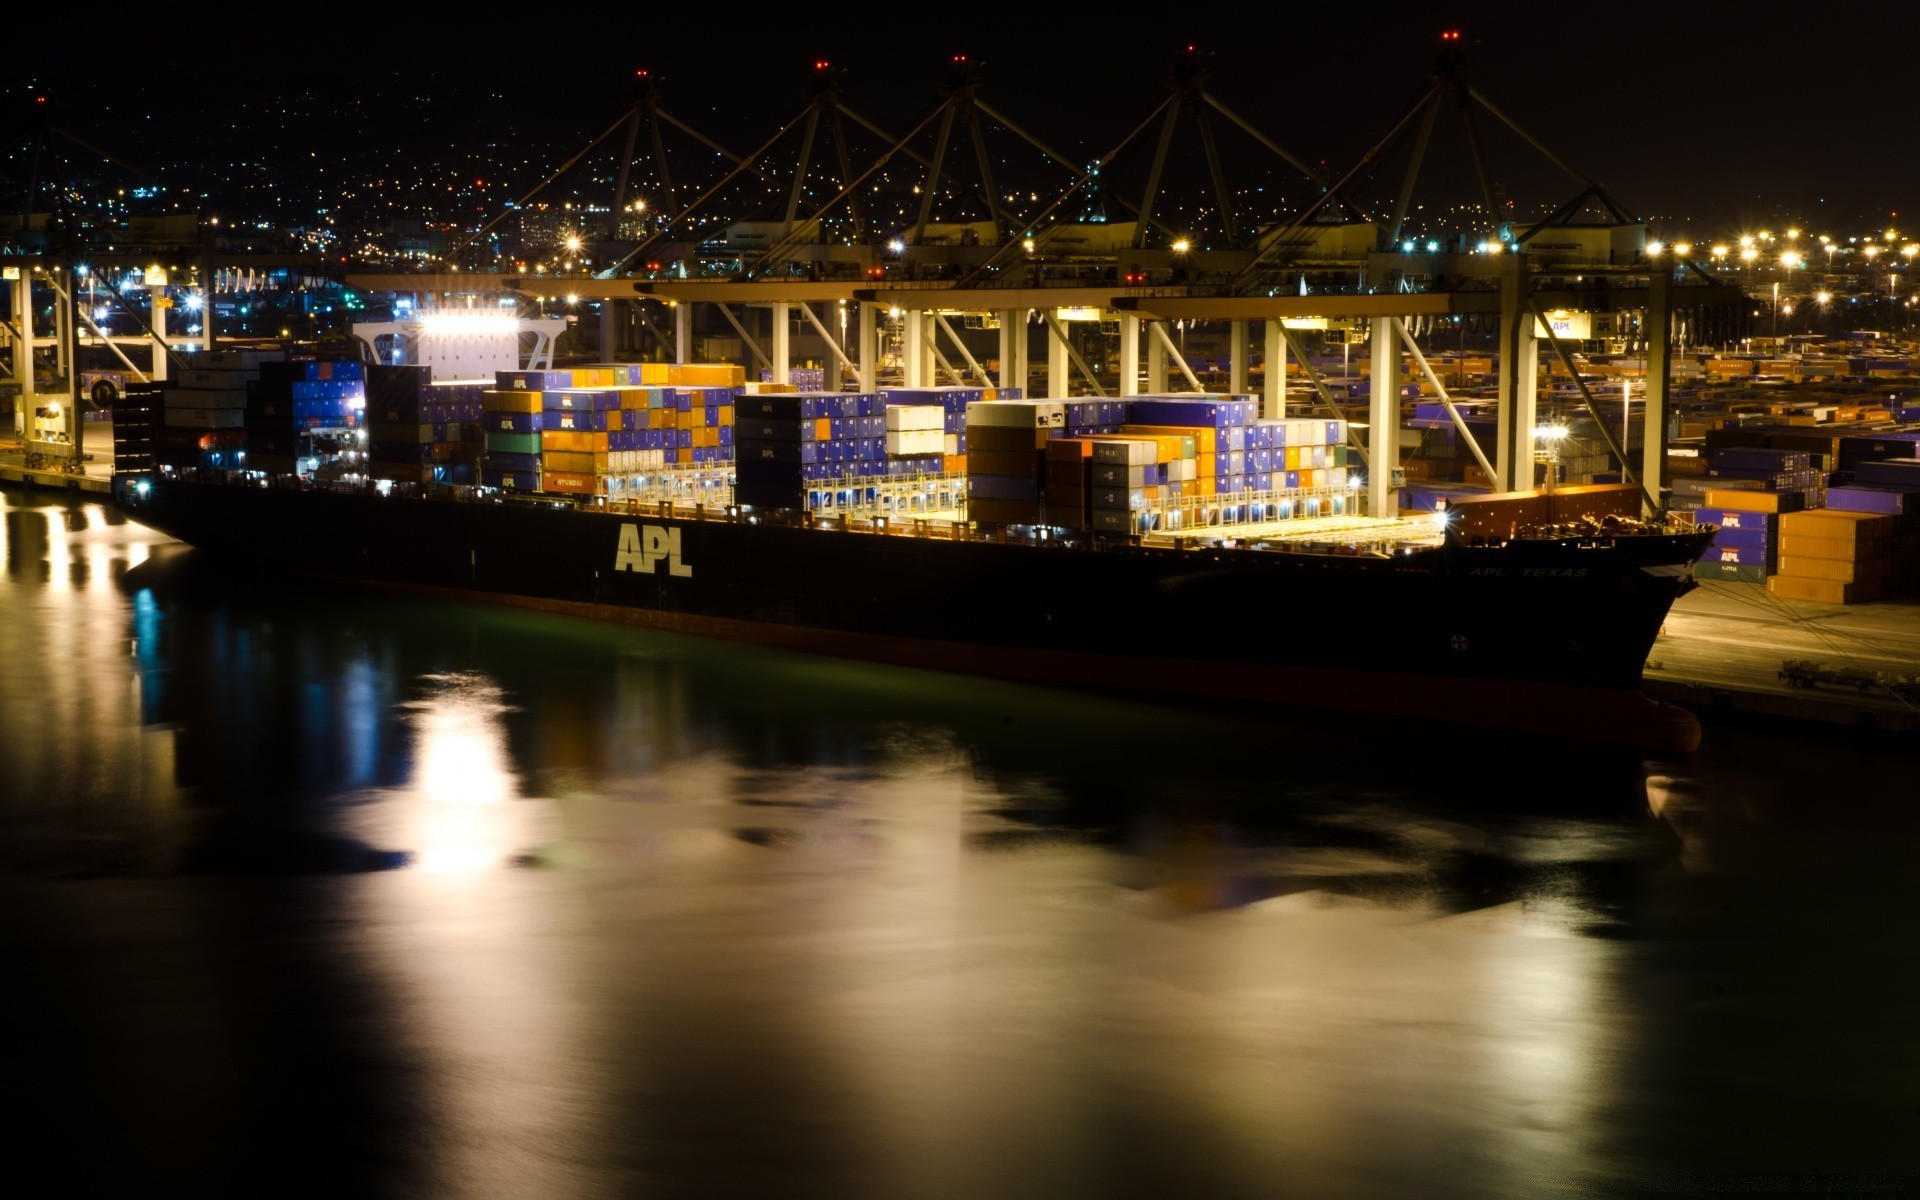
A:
638,914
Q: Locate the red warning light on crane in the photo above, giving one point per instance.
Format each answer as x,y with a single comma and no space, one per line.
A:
1450,35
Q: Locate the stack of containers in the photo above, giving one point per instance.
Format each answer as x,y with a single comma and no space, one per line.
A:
1187,452
1877,447
800,379
136,412
658,428
601,430
1069,482
1006,458
513,414
203,413
574,444
916,438
1734,556
788,443
768,435
1303,460
1086,418
419,431
292,399
1788,472
647,440
1128,482
707,424
952,402
1837,556
1747,548
1889,485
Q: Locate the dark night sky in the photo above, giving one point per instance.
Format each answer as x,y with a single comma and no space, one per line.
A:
1685,117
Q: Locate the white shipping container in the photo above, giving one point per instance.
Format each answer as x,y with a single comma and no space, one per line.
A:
916,417
915,441
1128,452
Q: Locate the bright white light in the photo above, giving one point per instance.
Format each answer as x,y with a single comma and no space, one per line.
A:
478,321
1182,246
1655,247
1550,433
195,302
897,246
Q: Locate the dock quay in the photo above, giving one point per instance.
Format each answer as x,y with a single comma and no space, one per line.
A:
1724,645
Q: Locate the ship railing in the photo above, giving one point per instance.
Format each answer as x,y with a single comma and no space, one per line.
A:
1292,514
932,495
1235,510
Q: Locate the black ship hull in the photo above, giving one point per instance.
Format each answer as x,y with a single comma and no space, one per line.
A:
1537,635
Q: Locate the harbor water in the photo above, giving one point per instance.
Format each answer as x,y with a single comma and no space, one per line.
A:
311,889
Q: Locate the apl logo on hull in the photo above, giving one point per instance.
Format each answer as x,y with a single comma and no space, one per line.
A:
643,546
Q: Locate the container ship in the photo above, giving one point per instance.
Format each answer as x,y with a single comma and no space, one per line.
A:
1159,547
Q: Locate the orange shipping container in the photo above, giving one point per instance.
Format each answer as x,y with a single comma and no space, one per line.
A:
1864,530
1838,570
1205,440
573,483
1801,545
571,439
1743,500
1824,591
504,401
704,375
